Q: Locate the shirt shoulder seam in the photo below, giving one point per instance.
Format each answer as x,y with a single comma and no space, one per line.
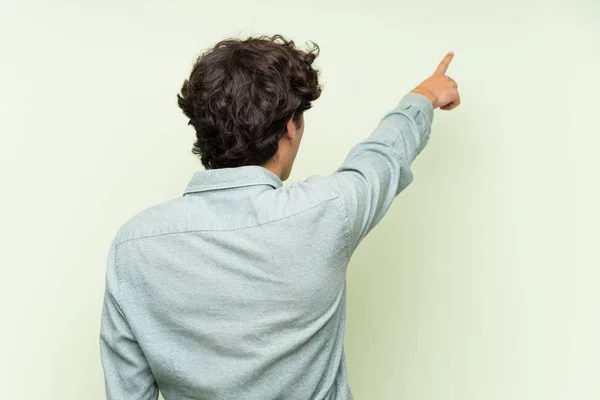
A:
226,230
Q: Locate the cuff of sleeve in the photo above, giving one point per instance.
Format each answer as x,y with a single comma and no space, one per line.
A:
419,101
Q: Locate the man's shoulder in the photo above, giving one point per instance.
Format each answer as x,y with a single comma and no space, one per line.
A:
318,188
151,221
185,213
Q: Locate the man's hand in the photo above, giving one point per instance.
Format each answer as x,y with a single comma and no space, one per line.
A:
440,88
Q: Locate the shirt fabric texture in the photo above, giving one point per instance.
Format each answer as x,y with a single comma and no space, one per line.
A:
237,289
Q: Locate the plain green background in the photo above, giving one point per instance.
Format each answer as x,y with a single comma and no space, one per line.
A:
480,283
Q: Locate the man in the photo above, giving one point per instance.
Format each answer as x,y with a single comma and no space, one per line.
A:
236,290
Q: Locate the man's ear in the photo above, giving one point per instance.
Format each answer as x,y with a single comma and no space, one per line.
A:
291,129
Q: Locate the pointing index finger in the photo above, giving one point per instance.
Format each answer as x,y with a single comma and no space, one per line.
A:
443,67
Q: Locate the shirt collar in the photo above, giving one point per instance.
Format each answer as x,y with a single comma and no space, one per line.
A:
226,178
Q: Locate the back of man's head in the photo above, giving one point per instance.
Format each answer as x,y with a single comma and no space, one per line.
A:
241,94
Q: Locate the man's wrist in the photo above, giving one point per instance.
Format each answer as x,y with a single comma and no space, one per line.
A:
427,94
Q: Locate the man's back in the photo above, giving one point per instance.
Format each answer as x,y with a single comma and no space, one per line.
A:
236,289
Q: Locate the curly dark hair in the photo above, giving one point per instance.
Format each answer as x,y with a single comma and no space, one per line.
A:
241,94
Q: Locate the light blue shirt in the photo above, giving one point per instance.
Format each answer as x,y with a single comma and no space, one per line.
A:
237,289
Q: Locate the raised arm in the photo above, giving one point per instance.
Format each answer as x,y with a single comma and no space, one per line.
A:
377,169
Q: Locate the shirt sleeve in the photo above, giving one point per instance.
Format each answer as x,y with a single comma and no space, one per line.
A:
377,169
126,372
